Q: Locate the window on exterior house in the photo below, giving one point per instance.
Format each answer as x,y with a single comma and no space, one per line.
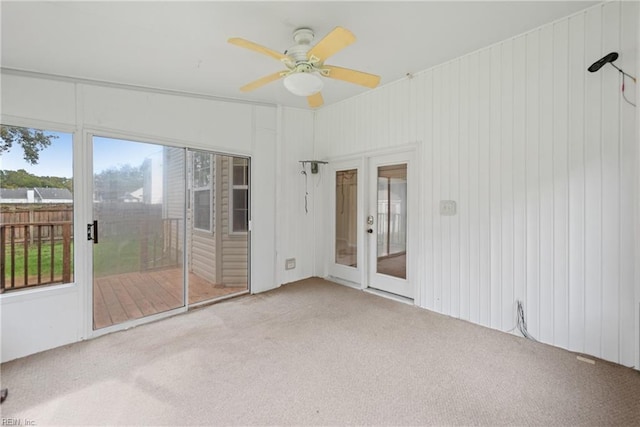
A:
240,195
203,191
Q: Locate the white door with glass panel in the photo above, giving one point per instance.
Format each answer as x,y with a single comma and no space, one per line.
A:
347,256
387,224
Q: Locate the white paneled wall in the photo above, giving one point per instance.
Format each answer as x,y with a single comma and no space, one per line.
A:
295,226
540,156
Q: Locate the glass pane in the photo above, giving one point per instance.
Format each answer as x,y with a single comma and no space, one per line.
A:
202,209
240,209
347,217
201,169
36,207
218,261
240,220
240,171
139,206
392,220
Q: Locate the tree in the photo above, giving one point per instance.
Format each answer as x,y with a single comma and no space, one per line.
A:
21,179
32,141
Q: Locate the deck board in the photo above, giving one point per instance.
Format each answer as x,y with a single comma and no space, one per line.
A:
122,297
114,308
128,303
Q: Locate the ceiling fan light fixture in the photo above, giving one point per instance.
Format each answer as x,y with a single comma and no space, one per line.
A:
303,84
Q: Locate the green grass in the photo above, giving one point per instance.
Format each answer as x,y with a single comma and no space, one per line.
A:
121,255
110,257
116,256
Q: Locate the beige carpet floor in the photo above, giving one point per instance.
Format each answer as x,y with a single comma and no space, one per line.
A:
314,352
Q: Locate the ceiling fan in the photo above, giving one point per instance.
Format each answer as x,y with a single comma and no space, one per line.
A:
305,64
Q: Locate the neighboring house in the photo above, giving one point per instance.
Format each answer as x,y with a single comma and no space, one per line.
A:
35,195
133,197
152,170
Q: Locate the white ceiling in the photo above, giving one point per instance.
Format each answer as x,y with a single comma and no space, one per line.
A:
183,45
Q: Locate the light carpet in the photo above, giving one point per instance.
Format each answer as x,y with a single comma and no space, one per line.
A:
314,352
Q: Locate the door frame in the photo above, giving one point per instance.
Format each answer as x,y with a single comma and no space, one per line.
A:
85,214
350,276
399,157
414,194
87,207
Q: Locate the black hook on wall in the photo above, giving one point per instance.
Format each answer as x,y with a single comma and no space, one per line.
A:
609,59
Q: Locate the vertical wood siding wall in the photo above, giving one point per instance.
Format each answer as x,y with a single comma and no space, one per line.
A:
540,156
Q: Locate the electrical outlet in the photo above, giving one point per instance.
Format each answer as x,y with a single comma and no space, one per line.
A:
447,207
290,264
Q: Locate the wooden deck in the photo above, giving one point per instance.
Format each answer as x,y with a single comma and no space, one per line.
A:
122,297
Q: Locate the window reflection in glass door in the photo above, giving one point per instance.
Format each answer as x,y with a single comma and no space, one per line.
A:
392,221
346,217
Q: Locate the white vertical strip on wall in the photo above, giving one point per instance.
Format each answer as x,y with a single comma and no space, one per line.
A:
576,165
540,156
629,12
506,308
474,188
519,172
593,186
454,188
438,252
445,178
495,186
532,167
425,134
484,185
560,184
610,146
464,182
546,179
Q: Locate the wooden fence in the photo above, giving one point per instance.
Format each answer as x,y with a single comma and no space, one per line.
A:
34,213
36,241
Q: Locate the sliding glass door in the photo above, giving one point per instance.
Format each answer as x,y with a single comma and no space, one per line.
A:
138,212
170,228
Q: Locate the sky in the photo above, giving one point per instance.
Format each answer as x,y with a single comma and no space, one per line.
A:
57,159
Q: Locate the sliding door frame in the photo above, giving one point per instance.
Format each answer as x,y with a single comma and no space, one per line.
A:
88,279
83,184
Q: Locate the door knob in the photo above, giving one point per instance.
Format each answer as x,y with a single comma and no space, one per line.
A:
370,230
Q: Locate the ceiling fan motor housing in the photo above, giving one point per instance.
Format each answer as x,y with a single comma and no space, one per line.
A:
303,38
305,64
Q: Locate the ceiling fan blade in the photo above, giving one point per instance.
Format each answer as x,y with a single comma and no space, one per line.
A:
315,100
351,76
335,41
256,47
261,82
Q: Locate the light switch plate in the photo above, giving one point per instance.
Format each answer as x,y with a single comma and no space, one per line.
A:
448,207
